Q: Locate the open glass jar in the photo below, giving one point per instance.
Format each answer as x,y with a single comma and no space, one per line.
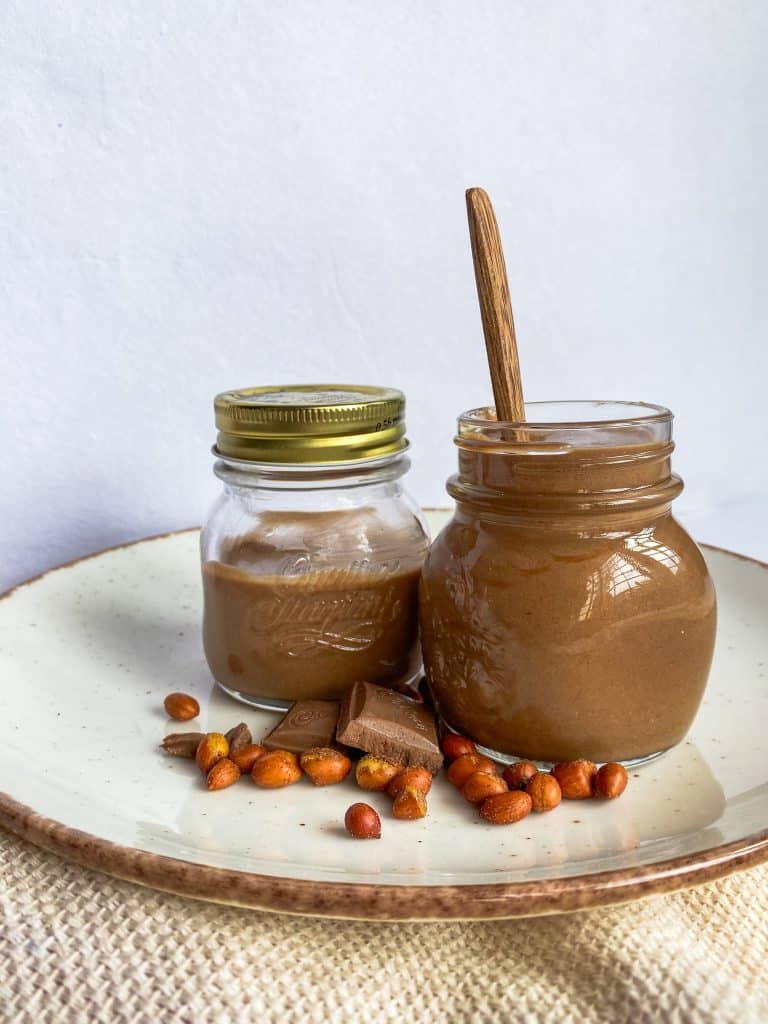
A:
564,612
311,555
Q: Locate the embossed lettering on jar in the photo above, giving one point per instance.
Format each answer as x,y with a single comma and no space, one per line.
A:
312,554
564,611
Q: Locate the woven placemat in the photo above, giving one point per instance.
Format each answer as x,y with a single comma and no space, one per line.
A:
79,946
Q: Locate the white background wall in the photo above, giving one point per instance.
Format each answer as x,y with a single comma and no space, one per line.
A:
195,196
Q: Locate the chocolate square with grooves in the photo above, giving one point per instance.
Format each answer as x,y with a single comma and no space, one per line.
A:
386,724
306,723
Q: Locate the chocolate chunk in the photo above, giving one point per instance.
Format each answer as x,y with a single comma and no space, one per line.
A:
382,722
306,723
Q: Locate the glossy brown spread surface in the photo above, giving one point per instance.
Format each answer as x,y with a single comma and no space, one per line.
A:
564,611
281,623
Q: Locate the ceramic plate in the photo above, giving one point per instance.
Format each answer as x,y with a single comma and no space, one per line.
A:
88,651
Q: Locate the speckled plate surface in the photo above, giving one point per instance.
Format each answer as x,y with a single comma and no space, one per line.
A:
88,651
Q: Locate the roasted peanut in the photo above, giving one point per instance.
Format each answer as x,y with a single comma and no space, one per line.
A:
466,765
611,780
246,757
362,822
481,785
454,746
544,791
325,766
506,808
516,775
238,737
224,773
409,804
275,769
181,706
576,778
374,773
211,748
419,778
182,744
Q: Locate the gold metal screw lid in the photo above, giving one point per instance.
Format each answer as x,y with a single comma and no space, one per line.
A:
310,423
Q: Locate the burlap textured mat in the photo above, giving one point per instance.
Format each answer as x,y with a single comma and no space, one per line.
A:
82,947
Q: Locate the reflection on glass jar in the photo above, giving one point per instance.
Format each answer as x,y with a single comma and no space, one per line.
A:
312,554
564,611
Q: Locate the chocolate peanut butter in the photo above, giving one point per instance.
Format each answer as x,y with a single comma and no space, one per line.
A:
564,612
284,621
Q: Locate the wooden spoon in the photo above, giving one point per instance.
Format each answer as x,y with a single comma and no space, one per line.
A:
495,307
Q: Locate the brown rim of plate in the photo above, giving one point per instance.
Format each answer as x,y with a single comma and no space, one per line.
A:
377,902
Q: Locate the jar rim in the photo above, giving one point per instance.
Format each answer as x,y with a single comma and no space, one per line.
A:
564,428
485,415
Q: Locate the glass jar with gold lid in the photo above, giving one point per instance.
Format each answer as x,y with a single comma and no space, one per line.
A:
312,553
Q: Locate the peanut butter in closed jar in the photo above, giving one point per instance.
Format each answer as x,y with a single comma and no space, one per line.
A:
312,554
564,611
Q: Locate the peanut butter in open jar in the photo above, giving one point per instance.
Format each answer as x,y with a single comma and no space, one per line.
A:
312,554
564,611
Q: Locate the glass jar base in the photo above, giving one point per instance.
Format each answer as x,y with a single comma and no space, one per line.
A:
496,755
263,703
408,686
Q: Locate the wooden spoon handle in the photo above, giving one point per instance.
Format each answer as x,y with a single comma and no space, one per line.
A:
495,307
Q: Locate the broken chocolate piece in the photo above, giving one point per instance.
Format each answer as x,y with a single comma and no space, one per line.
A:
306,724
382,722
